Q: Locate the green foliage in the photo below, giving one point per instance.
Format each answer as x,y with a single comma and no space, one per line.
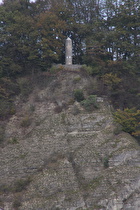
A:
111,79
129,119
6,108
106,162
55,69
29,40
86,68
78,95
92,69
8,88
76,79
90,103
96,56
25,86
95,70
116,80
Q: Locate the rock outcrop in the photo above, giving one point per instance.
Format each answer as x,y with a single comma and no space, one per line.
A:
65,158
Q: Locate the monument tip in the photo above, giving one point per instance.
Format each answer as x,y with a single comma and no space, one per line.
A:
68,38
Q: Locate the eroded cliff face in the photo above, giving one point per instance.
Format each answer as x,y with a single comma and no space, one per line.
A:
67,158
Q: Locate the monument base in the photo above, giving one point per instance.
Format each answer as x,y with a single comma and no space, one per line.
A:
70,67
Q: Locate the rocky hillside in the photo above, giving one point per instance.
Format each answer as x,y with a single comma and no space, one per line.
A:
59,156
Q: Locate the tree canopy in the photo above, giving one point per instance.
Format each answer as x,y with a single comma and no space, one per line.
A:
33,33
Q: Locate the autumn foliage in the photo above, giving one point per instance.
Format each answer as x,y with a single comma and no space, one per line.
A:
129,119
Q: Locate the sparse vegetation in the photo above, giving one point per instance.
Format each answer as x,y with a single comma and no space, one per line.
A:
2,131
78,95
17,203
106,162
13,140
56,68
63,118
76,79
25,86
75,110
4,188
117,129
21,184
88,69
7,108
71,101
90,103
93,184
26,121
8,89
32,107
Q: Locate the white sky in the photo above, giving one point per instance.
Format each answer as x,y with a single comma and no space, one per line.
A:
1,1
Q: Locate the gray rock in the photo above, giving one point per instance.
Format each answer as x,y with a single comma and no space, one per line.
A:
73,161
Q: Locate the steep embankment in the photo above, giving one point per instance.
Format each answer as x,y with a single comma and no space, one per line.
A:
59,156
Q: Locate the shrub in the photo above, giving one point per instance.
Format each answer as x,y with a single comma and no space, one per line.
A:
32,108
137,133
26,122
93,69
4,188
14,140
76,79
86,68
56,68
71,101
6,108
21,184
78,95
111,80
8,89
129,119
90,103
106,162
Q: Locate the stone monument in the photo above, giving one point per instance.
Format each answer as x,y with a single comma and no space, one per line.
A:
68,52
68,58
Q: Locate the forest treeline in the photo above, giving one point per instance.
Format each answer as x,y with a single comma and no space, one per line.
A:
105,35
32,35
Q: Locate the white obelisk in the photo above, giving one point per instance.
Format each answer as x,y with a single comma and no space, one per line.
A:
68,51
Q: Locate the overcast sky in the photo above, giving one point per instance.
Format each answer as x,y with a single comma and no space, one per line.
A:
1,1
